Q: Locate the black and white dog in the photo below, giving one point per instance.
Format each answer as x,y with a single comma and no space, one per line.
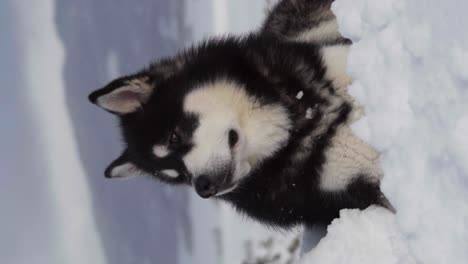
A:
260,121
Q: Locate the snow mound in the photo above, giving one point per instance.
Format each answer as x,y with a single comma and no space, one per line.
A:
409,61
361,237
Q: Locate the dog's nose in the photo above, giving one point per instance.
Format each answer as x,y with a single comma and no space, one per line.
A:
204,186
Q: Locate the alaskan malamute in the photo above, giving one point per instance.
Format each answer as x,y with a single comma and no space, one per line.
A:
260,121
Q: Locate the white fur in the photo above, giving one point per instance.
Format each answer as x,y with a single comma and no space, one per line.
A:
160,151
267,130
118,100
348,157
327,30
299,95
227,190
330,113
171,173
335,59
125,170
224,105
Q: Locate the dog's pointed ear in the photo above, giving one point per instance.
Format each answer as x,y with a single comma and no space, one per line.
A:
124,95
123,167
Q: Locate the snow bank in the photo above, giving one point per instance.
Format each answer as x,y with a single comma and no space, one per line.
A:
410,65
367,237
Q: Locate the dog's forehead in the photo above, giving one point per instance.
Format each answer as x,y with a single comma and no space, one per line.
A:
185,109
221,97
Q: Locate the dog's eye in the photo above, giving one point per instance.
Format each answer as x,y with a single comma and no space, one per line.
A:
233,138
174,139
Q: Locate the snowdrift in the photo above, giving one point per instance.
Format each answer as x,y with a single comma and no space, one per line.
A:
367,237
410,65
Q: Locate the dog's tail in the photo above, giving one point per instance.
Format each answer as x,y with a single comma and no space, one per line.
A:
303,20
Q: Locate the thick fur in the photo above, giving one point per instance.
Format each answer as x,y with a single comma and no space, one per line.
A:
304,20
283,90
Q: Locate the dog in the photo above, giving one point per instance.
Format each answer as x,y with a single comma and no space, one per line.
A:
260,121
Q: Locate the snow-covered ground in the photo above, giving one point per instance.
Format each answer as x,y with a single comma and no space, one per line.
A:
410,65
361,237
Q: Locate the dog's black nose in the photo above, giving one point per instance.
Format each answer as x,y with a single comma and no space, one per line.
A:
204,187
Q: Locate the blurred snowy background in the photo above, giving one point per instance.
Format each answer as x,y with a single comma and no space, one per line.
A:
410,62
56,206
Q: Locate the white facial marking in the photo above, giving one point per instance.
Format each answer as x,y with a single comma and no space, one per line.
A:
349,157
171,173
160,151
218,106
125,170
300,95
224,105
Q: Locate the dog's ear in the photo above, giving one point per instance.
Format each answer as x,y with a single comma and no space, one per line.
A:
124,95
123,167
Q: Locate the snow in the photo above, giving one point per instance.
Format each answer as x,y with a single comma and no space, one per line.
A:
409,63
364,237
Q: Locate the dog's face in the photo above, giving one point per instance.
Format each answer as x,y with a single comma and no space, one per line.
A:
207,132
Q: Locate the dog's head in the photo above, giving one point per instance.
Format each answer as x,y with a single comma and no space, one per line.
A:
198,125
